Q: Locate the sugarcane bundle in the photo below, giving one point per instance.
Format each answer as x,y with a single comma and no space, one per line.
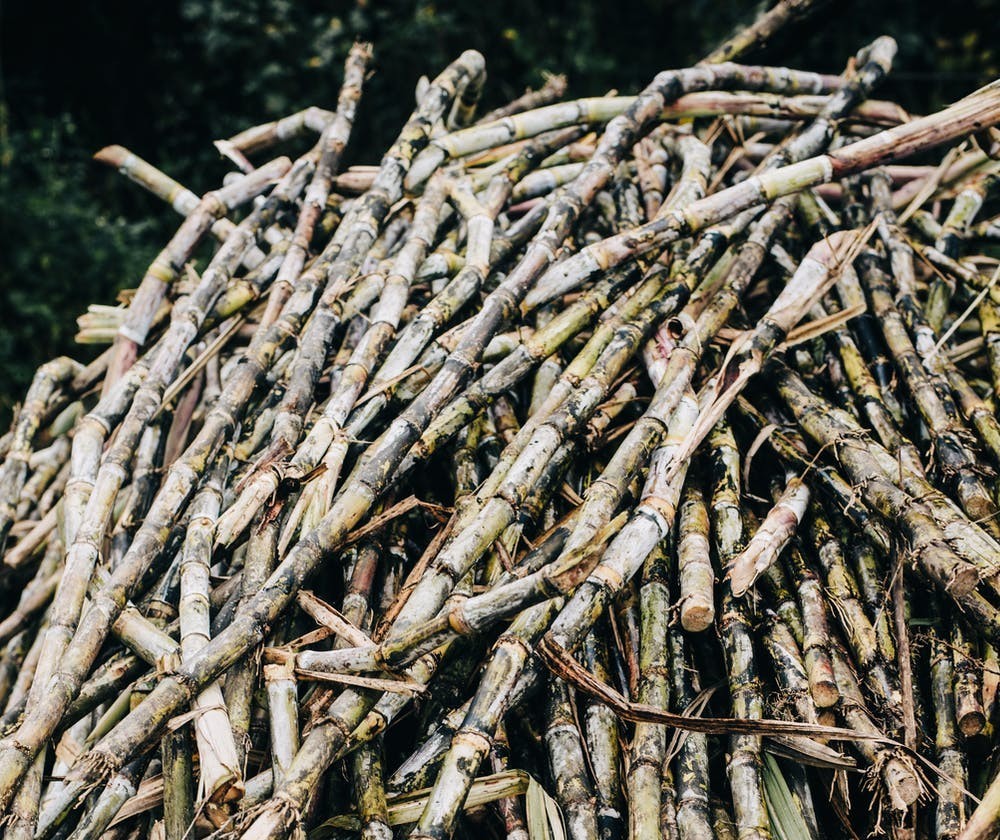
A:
622,466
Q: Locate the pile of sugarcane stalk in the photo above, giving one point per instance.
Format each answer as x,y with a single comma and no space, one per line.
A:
617,467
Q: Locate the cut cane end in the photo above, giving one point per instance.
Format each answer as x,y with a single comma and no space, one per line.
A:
113,155
972,723
825,694
902,784
697,617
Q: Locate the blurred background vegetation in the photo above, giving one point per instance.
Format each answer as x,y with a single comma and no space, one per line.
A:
166,78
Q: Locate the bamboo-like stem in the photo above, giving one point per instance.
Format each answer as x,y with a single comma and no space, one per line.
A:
950,452
984,820
968,681
120,788
648,525
649,742
553,89
931,549
181,199
221,774
548,437
94,507
369,791
468,408
771,537
331,145
38,592
950,813
22,821
763,29
178,783
511,809
178,484
651,172
416,335
743,765
599,110
604,747
900,782
264,136
257,566
573,788
791,447
691,771
816,631
955,227
164,269
859,631
893,144
503,496
376,203
790,670
541,345
471,742
286,429
49,379
694,562
282,706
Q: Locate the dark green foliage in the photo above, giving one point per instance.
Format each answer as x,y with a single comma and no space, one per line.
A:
167,78
63,246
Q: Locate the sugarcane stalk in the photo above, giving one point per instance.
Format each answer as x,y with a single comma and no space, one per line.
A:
265,344
258,563
511,808
762,29
22,821
121,787
819,420
950,813
743,764
900,782
535,446
598,110
815,613
178,783
164,269
859,631
99,486
221,774
370,792
382,325
694,563
331,145
649,742
961,215
771,537
49,379
38,592
553,89
604,747
691,773
968,681
282,706
263,136
573,788
362,225
179,197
